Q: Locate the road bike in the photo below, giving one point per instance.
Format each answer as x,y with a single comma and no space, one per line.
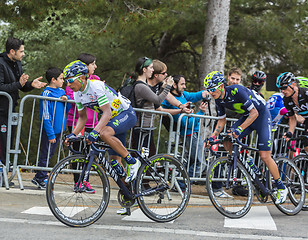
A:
301,161
156,187
234,172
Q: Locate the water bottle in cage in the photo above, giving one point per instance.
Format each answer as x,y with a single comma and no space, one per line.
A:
145,152
251,163
118,168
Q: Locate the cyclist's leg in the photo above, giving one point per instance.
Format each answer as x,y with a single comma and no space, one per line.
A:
118,126
263,127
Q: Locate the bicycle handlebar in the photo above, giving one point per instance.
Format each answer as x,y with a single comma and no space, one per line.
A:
301,137
83,139
227,136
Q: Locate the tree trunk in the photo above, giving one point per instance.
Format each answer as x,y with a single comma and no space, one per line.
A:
214,45
215,37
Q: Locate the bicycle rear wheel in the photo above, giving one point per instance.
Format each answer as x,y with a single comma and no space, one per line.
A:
301,162
163,205
70,205
238,190
293,180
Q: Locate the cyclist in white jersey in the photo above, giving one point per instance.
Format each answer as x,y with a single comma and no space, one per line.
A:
117,115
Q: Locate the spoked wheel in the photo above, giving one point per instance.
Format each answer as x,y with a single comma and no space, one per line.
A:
301,162
231,198
166,192
293,180
72,205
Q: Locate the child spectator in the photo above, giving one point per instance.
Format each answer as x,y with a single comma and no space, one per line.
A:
53,115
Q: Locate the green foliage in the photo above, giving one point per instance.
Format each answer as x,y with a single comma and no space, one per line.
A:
267,35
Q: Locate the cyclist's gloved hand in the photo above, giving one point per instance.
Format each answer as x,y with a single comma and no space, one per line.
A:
71,135
93,136
238,131
211,139
68,137
289,134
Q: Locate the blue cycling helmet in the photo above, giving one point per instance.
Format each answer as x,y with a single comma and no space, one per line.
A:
75,69
285,78
213,79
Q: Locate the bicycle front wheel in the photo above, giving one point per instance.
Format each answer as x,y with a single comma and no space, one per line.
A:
232,197
301,162
293,180
77,207
164,193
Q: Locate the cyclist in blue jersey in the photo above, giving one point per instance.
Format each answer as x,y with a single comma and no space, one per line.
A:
255,117
295,100
117,115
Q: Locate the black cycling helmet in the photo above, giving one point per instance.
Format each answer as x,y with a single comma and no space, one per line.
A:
258,77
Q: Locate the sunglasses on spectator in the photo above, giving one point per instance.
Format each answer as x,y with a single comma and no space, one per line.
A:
71,80
213,89
163,73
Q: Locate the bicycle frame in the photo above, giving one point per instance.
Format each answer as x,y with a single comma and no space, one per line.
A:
236,156
100,153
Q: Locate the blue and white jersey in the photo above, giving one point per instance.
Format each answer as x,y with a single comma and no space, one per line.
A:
274,104
97,94
240,100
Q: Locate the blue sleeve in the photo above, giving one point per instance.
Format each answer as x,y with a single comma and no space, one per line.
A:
68,105
46,110
193,97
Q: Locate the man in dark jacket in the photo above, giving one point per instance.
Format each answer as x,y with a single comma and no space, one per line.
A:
12,79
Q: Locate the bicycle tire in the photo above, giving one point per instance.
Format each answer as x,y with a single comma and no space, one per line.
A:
301,161
292,179
235,206
165,205
73,208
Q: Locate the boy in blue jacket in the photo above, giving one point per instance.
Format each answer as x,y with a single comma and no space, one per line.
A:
53,114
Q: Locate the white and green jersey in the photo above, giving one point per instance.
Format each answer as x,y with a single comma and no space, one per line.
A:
97,94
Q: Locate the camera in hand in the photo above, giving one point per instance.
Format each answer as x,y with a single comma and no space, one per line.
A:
190,106
207,99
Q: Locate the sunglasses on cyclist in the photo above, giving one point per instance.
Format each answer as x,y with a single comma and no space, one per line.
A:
213,89
257,81
71,80
285,86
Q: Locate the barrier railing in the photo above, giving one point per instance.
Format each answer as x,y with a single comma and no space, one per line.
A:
29,132
10,122
188,148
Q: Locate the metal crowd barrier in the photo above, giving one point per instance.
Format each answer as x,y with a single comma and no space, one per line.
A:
167,139
11,121
29,132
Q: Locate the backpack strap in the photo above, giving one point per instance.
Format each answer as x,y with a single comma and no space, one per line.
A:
143,100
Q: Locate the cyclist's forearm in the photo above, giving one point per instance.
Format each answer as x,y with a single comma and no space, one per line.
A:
219,127
81,122
292,123
253,114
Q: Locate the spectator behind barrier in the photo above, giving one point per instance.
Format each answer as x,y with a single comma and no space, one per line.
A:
144,71
12,79
53,117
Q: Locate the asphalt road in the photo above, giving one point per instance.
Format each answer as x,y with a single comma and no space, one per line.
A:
24,214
